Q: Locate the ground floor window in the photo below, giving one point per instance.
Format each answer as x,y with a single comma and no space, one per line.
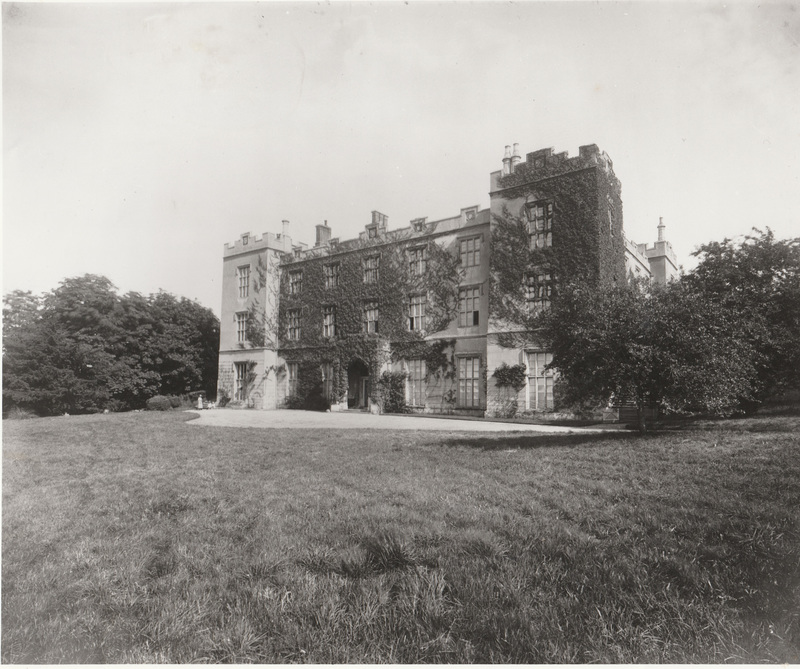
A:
540,381
415,383
240,388
468,381
291,371
327,381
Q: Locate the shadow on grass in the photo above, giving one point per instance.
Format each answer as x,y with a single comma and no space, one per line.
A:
530,442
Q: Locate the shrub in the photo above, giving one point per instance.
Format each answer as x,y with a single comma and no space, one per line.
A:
174,401
18,413
223,398
390,392
159,403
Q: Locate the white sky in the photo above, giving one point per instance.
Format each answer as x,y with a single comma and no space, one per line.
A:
139,138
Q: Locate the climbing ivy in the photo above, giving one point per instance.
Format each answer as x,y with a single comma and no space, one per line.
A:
390,292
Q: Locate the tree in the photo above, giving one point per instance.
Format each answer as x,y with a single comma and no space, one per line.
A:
666,346
758,277
82,348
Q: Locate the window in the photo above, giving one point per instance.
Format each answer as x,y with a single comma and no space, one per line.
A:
245,239
469,306
538,289
292,372
295,282
371,269
540,381
372,231
243,275
240,387
468,381
241,327
416,313
294,324
415,383
371,317
470,250
331,275
540,224
327,380
417,260
329,321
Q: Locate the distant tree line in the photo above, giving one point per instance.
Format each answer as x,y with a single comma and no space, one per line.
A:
83,348
722,339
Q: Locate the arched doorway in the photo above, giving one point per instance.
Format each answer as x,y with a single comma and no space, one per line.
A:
358,384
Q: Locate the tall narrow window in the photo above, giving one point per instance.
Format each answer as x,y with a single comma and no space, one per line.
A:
469,381
243,275
540,224
469,306
470,251
329,321
415,383
241,327
371,265
417,260
295,282
240,379
416,312
292,369
331,275
293,318
539,289
371,317
540,381
327,380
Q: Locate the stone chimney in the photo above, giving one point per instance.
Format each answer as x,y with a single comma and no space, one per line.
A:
515,158
661,227
323,234
507,161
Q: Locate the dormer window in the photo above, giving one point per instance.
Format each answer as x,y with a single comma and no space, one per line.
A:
245,239
372,232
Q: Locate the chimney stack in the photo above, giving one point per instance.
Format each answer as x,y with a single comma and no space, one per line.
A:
323,234
507,161
515,158
661,227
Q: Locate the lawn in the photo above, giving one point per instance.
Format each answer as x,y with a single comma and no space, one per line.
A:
143,538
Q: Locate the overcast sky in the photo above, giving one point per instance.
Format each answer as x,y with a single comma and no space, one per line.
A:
139,138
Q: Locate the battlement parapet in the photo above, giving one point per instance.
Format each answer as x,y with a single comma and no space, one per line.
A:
248,242
544,163
657,250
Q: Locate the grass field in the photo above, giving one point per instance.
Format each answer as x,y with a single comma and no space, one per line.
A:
142,538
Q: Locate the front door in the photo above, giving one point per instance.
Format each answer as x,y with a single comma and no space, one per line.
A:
364,399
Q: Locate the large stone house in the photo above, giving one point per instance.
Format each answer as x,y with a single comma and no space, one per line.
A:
444,302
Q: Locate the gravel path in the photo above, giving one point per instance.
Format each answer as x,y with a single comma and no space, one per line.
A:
349,420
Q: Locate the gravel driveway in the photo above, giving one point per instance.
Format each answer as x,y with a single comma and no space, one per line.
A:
349,420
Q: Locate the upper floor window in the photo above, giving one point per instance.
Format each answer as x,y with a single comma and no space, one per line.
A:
540,224
329,321
417,260
371,317
243,276
331,275
295,282
293,318
416,312
371,265
470,251
469,306
538,290
241,327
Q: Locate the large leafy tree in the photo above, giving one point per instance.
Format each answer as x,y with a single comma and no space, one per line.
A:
663,345
83,348
758,276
